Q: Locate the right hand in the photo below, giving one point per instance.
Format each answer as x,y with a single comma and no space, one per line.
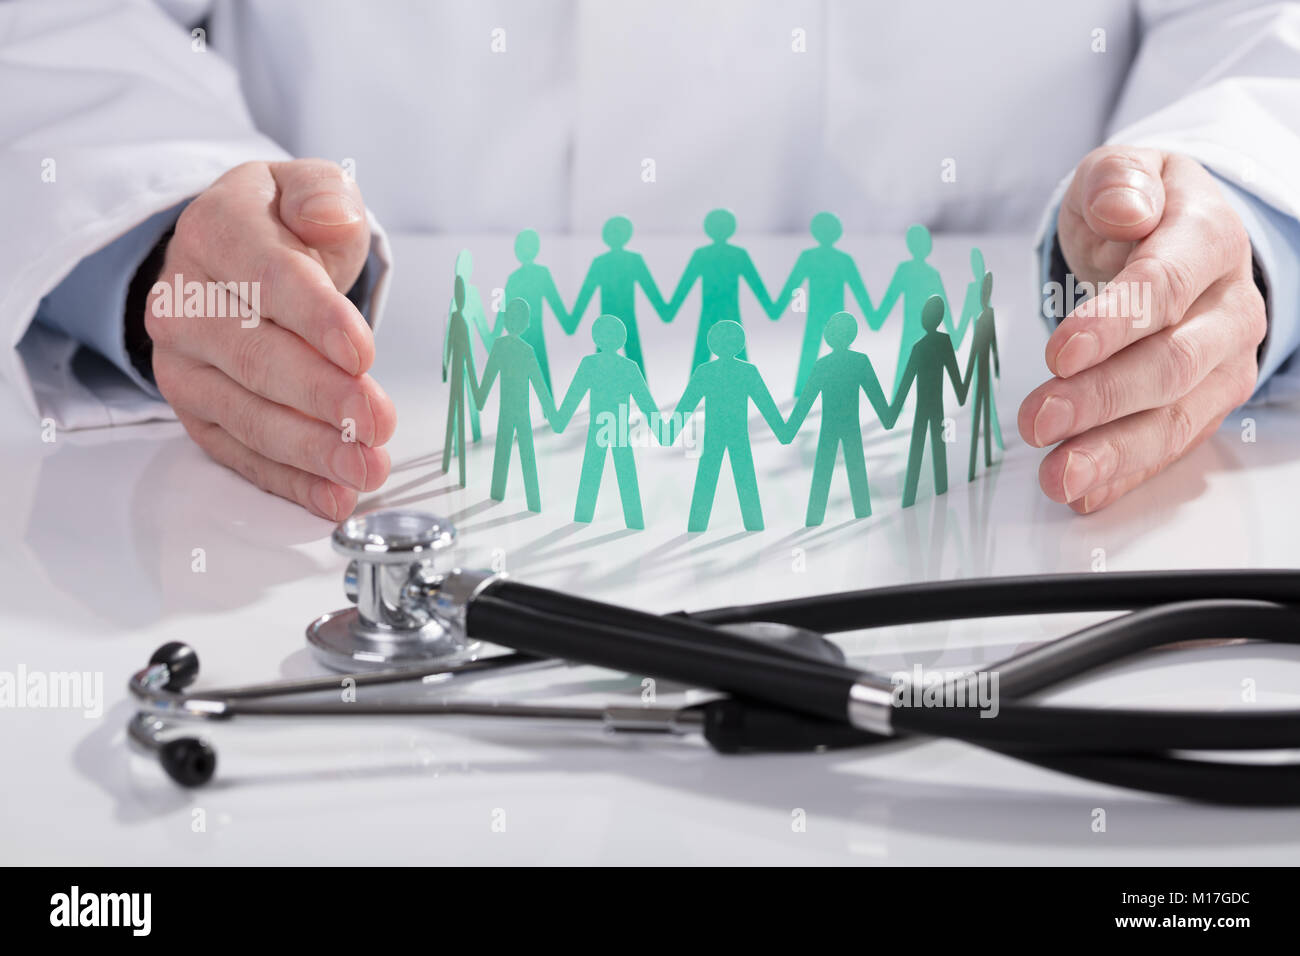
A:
274,401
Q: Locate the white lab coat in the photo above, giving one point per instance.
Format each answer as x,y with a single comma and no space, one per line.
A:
475,116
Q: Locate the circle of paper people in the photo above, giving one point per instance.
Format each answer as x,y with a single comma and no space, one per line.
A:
722,380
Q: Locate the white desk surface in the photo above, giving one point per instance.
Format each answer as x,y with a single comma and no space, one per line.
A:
96,572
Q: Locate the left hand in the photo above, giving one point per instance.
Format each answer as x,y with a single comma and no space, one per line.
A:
1149,368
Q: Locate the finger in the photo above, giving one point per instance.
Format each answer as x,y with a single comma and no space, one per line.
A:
1200,240
272,430
1147,374
322,206
1147,440
320,496
229,233
1116,197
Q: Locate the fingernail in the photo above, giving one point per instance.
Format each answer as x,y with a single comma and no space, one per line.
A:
322,496
329,209
348,464
357,408
1053,421
1122,206
341,351
1080,473
1080,351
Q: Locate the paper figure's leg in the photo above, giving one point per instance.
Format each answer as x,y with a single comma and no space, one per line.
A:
475,430
593,463
706,486
528,462
449,443
993,413
823,468
915,453
855,465
812,343
628,489
988,426
975,431
742,472
501,461
939,452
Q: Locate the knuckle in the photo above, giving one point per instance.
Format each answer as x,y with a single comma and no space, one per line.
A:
1186,364
1178,426
249,360
1109,398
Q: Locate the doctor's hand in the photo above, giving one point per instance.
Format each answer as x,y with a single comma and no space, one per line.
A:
281,396
1147,369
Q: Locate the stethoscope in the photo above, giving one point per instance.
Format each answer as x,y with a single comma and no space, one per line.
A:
787,687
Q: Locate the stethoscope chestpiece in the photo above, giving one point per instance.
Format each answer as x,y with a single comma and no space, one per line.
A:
395,558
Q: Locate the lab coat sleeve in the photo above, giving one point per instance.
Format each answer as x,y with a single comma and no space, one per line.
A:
113,115
1220,82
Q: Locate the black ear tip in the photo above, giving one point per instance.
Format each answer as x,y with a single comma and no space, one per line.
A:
182,664
188,760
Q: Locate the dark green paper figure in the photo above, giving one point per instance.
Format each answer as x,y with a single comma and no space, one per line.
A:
932,355
827,271
915,280
840,377
719,267
970,310
513,359
614,383
533,283
473,312
726,385
458,361
984,345
616,274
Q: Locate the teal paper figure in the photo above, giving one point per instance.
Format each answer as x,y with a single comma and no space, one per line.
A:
970,310
827,271
984,345
458,362
719,267
614,383
533,283
840,377
931,356
915,280
726,385
514,360
616,274
473,312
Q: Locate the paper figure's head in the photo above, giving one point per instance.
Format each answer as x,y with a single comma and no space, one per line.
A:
609,333
932,313
976,262
918,241
464,264
459,292
720,225
516,316
726,338
617,231
826,228
986,290
527,244
841,330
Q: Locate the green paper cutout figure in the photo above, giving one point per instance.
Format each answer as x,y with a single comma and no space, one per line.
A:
719,267
458,361
932,355
726,385
514,360
473,312
984,344
616,274
970,310
915,280
840,377
827,271
613,382
533,283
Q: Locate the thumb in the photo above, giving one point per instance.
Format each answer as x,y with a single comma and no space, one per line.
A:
322,206
1121,192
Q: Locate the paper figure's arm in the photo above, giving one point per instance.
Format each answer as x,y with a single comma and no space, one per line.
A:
954,373
765,404
755,283
887,303
474,310
970,367
483,388
646,402
812,388
683,287
647,282
577,388
552,296
859,290
876,395
798,276
589,286
543,393
686,406
904,386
